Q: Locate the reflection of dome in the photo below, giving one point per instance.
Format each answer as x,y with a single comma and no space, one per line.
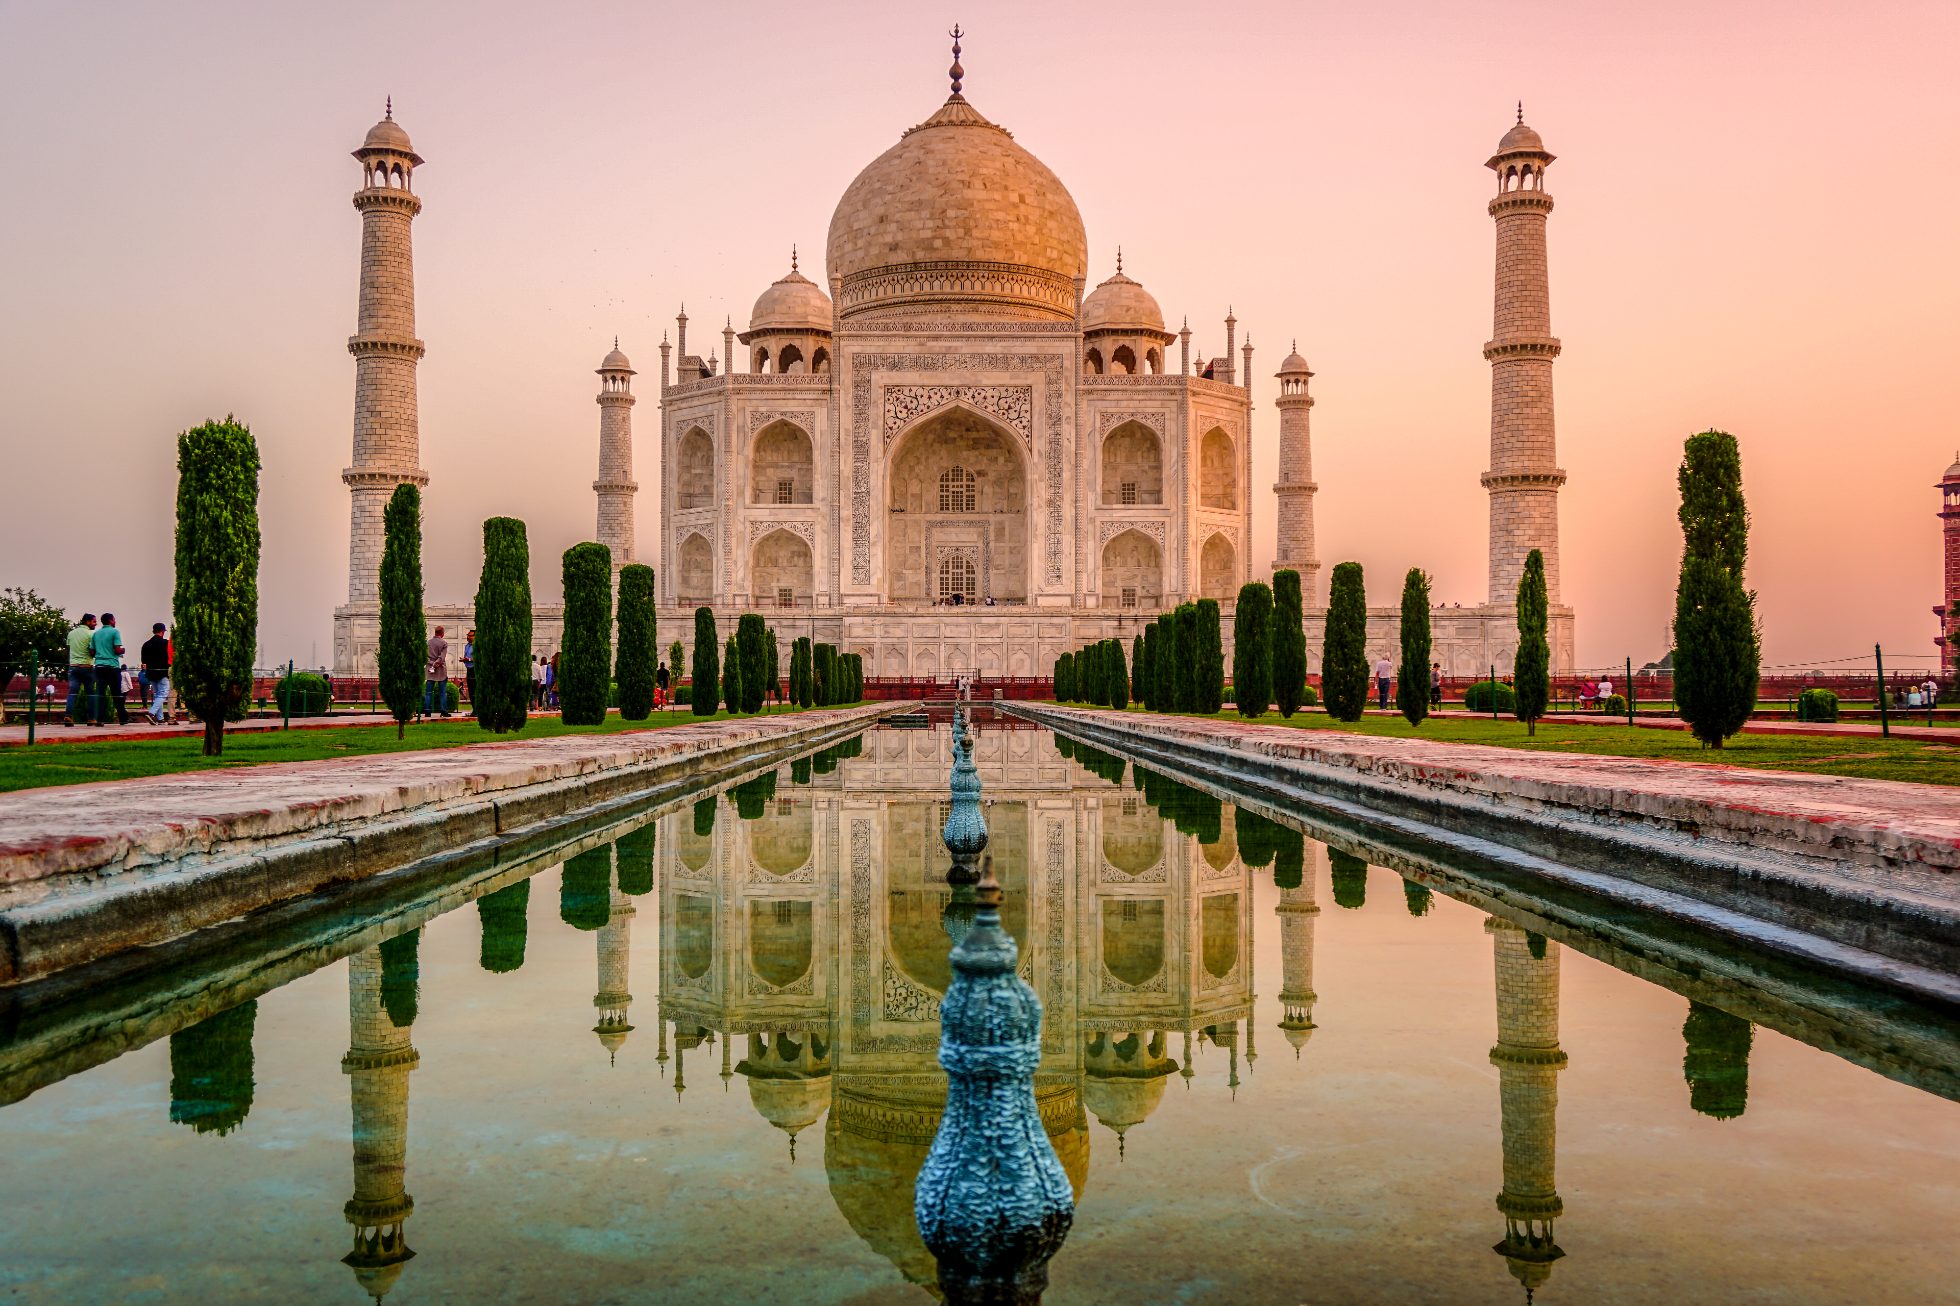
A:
1120,1103
376,1280
957,212
1120,304
791,1105
1297,1034
877,1138
794,303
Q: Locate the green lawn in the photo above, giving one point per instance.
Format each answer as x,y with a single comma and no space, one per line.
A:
79,763
1849,755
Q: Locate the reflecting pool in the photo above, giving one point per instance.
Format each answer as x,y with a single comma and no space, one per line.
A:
690,1058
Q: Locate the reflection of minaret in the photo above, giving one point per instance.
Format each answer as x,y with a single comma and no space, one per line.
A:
378,1061
615,952
1297,911
1528,1060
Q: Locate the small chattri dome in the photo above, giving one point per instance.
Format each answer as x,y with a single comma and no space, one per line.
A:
1953,472
616,361
1293,362
1521,138
794,303
1120,304
387,135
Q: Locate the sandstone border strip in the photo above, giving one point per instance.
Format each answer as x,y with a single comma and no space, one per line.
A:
1862,876
87,871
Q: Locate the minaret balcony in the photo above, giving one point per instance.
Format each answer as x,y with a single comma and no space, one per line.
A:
374,197
1550,480
395,346
1520,201
1545,347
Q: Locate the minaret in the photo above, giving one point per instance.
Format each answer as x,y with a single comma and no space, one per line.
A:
378,1061
615,959
387,434
1297,913
1949,610
615,486
1524,476
1231,334
1296,485
1528,1060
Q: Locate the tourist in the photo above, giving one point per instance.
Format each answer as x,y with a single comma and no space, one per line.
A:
435,689
108,671
537,684
81,670
1384,672
1931,691
1605,691
551,680
156,656
1436,686
660,682
469,665
1913,697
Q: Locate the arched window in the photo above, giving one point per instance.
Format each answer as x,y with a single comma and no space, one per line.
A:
1123,362
820,361
957,578
1154,360
697,470
789,359
1092,362
956,492
761,359
1218,476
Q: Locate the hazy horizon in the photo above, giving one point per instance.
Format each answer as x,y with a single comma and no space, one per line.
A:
1753,231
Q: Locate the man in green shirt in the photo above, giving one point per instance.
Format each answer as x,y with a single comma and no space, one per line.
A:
108,672
81,667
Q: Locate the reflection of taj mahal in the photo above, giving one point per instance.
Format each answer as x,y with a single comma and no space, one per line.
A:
957,454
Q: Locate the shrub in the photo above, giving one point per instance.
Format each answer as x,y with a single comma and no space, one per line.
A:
216,603
402,654
1309,696
1185,635
1615,705
750,641
1531,671
638,644
1064,677
731,676
1117,692
1817,705
1208,686
1252,650
1143,675
1412,679
585,663
305,694
706,673
1344,651
683,695
1490,696
1289,643
503,628
802,676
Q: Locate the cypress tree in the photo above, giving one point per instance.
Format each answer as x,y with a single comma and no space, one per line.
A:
503,915
584,666
857,677
1344,653
1163,664
211,1072
1531,673
1140,667
401,977
1412,679
803,675
217,595
503,628
401,656
1717,648
731,676
638,644
1088,677
1119,677
749,641
824,663
1350,879
1716,1063
707,664
1252,650
676,665
771,673
1208,688
585,889
1184,687
1064,677
1289,640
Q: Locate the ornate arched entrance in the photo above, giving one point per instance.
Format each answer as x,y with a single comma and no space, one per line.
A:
956,520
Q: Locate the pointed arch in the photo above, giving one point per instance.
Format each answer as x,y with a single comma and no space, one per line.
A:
1218,470
1132,466
695,485
1218,568
782,464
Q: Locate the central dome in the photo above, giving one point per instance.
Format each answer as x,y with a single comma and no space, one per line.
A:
957,217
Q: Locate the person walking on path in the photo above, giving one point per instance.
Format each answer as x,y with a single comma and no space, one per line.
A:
1384,672
551,681
661,680
469,666
108,672
81,671
435,689
1436,686
156,657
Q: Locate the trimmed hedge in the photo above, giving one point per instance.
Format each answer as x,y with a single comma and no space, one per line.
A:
1490,696
305,694
1817,705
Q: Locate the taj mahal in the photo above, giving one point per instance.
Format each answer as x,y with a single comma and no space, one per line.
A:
955,455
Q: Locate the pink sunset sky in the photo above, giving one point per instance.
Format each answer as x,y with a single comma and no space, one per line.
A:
1754,230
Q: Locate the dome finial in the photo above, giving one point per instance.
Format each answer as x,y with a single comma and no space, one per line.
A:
792,256
956,72
1520,113
389,114
615,342
1119,260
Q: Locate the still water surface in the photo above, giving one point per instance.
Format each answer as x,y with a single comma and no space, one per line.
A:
694,1062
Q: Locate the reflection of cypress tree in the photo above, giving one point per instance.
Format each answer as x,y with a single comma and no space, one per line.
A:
585,890
504,917
1536,942
1257,837
847,749
1104,766
401,977
1193,811
211,1071
1289,857
1716,1065
1064,745
1350,878
1418,897
636,861
799,771
704,817
823,761
753,795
